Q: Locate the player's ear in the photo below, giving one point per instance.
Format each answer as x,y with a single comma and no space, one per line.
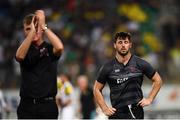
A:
114,45
130,44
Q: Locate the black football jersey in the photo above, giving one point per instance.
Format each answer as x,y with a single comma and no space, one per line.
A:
125,81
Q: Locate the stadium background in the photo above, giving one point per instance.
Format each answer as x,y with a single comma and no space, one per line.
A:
86,28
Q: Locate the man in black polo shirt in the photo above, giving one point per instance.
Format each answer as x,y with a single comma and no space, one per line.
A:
124,75
38,62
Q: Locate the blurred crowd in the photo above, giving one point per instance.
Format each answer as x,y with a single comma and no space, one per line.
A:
75,102
87,27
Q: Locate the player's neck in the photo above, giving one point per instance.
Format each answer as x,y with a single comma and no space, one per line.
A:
123,59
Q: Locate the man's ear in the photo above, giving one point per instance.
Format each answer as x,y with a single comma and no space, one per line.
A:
130,44
114,45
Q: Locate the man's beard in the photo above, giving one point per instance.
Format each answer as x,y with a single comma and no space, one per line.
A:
123,53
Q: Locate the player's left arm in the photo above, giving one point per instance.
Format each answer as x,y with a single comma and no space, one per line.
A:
58,46
157,83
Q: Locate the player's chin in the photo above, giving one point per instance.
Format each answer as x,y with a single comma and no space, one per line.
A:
123,53
35,40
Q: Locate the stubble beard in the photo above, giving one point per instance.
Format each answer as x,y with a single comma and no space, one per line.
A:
123,53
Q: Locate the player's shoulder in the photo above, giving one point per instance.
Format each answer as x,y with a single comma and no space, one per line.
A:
138,59
110,62
107,66
141,62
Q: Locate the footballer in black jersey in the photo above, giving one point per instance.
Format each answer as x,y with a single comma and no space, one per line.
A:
124,75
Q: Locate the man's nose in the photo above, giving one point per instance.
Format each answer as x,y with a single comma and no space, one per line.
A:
123,44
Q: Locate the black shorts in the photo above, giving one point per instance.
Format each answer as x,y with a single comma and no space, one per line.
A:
133,111
37,109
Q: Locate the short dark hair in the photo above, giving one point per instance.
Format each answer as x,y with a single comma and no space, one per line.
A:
122,36
28,18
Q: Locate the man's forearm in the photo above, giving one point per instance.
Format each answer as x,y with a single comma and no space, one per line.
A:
99,99
155,89
55,41
157,83
24,47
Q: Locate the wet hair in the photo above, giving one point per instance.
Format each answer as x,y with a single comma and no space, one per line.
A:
28,18
122,36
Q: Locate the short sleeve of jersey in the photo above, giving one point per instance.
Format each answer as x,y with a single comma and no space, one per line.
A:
32,57
147,69
102,75
53,56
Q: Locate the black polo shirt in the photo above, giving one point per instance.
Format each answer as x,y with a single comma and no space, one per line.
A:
39,72
125,80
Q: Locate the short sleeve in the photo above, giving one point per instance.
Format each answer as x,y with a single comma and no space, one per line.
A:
102,75
32,57
147,69
52,55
